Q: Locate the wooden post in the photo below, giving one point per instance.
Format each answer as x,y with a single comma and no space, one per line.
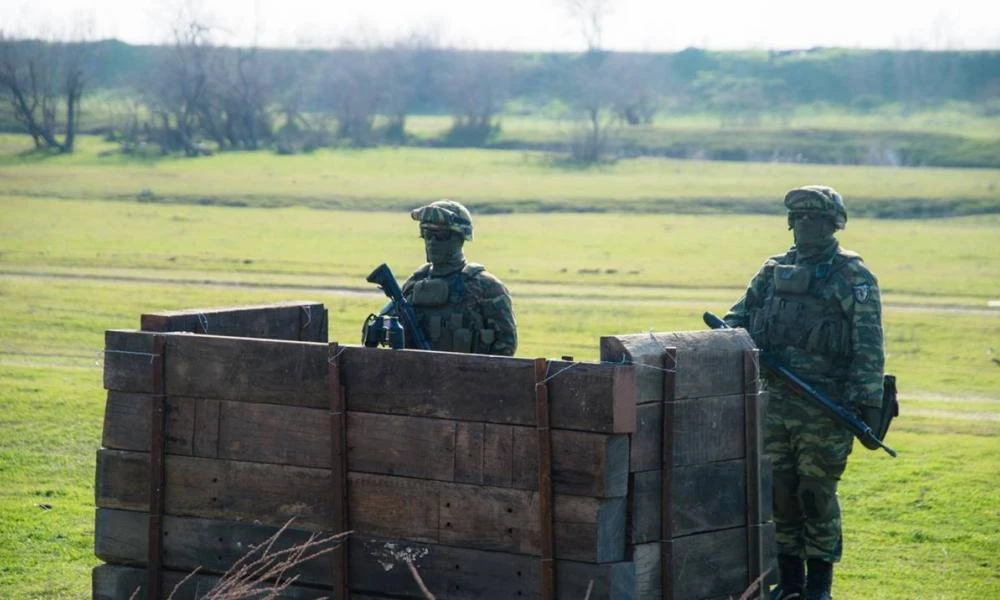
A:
154,559
338,467
547,580
667,475
754,448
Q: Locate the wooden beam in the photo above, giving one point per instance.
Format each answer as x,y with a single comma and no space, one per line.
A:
338,469
116,582
754,435
547,574
704,565
471,387
705,369
490,518
301,321
157,478
583,463
376,564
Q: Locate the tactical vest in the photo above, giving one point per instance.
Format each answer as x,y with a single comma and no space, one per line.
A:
449,315
801,310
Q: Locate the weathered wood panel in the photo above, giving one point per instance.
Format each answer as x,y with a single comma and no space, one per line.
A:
482,517
300,321
270,494
225,368
585,464
703,430
486,518
376,564
705,497
705,565
119,582
705,365
469,387
128,361
460,573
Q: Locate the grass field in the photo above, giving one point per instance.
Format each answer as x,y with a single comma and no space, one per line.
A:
921,526
486,180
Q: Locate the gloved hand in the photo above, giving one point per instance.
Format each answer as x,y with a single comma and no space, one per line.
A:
871,416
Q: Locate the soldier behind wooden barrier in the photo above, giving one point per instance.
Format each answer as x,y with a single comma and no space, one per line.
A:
460,306
817,308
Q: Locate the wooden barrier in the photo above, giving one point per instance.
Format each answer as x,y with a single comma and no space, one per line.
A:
497,477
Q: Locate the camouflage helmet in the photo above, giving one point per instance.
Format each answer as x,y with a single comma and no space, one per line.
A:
445,214
817,199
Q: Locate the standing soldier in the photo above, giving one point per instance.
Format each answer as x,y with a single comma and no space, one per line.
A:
460,307
817,309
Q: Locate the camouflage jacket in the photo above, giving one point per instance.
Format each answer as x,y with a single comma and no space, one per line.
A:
822,319
466,311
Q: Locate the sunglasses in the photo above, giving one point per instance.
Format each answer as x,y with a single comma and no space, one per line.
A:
440,235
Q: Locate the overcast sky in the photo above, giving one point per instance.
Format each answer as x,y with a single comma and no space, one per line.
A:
536,24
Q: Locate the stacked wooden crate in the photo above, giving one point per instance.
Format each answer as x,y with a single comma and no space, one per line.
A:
700,505
443,460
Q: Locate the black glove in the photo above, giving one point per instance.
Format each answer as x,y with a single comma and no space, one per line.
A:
871,416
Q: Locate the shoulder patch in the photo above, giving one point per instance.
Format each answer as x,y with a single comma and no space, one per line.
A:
862,293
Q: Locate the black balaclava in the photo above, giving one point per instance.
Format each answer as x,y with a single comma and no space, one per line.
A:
445,256
814,240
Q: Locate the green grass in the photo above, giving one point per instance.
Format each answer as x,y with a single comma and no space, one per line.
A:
488,181
921,526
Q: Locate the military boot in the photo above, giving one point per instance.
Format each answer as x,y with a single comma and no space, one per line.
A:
792,582
820,579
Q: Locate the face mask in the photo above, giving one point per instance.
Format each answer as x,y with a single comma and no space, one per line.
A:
812,236
445,255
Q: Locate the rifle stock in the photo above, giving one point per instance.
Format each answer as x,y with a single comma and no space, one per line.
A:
839,413
382,276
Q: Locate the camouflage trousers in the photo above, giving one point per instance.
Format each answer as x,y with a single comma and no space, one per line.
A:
809,452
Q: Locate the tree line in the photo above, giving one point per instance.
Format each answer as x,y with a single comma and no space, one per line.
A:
197,96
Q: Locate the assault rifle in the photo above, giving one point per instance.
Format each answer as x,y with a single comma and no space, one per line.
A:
839,413
375,325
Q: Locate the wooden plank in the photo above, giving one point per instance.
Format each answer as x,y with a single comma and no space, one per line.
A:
707,429
338,469
301,321
128,361
543,443
248,370
585,464
267,493
376,567
482,517
705,565
156,477
754,444
470,387
486,518
225,368
703,430
117,582
704,367
211,544
705,497
127,423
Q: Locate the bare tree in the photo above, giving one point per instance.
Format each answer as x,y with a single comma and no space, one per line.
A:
590,15
594,89
475,87
38,78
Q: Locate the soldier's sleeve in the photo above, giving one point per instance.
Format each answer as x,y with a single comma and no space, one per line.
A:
739,314
863,306
498,312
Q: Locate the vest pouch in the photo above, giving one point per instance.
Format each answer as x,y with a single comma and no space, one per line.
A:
790,279
461,340
434,327
487,337
430,292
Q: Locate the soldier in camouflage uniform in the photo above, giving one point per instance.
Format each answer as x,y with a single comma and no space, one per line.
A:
817,309
459,305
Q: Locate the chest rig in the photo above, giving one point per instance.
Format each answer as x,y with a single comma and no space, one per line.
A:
801,309
449,310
